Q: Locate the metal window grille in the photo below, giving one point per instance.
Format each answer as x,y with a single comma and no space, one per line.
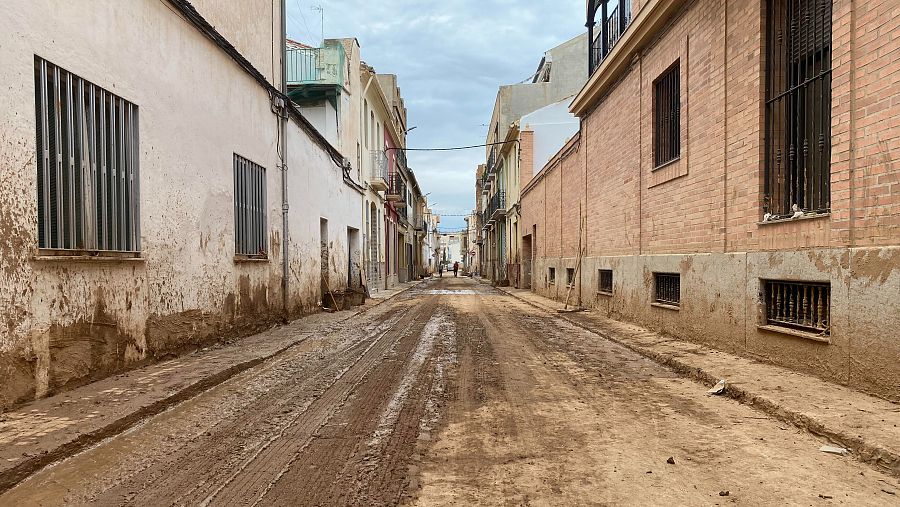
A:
667,116
668,288
798,305
87,164
570,276
798,106
606,281
552,275
249,208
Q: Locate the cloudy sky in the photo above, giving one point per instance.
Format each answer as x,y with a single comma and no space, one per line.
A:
450,56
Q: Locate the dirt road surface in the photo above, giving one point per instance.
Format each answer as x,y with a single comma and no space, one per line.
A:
456,394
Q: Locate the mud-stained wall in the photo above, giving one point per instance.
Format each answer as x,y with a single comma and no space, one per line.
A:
722,306
701,216
69,321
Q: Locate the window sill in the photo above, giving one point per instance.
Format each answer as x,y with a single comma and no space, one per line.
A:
666,164
795,332
809,216
50,255
238,259
666,306
604,293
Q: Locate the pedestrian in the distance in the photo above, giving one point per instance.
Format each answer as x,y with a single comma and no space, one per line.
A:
441,269
455,269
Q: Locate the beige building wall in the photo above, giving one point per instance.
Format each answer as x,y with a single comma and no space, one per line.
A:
69,320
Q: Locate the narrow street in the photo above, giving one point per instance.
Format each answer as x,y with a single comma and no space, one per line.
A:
454,393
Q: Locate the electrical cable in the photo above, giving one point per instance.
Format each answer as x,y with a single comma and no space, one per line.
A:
455,147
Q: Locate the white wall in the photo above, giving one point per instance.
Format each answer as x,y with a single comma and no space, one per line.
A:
69,321
553,126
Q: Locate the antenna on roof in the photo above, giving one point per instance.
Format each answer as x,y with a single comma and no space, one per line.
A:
322,14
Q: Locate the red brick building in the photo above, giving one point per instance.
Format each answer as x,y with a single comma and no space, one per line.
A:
738,171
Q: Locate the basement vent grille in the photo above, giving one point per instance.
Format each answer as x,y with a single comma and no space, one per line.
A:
570,276
798,305
87,164
668,288
249,208
551,275
606,281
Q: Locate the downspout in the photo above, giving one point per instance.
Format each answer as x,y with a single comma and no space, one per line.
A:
285,264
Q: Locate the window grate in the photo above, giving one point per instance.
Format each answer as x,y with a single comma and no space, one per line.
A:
87,164
606,281
249,208
667,116
798,305
570,276
552,275
798,107
668,288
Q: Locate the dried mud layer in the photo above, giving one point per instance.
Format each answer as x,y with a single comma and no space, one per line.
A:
456,394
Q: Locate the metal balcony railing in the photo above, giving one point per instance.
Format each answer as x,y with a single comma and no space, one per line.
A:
611,30
396,191
498,205
309,66
379,165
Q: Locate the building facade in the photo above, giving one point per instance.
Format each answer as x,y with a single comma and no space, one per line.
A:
542,102
735,182
141,216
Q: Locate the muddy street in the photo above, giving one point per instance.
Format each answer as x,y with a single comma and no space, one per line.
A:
454,393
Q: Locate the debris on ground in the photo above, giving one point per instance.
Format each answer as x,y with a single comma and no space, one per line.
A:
888,492
718,388
826,497
671,461
830,449
724,492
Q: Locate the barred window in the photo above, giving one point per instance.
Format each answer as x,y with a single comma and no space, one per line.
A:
667,116
551,275
87,164
606,281
249,208
570,276
668,288
798,305
798,107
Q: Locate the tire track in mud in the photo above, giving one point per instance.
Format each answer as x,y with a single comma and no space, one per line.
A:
376,429
187,448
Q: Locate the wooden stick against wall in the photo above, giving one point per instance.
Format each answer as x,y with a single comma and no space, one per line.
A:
581,253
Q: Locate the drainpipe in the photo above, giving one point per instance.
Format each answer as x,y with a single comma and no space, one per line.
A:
285,264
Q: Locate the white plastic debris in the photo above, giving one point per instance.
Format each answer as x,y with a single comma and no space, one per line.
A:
718,388
830,449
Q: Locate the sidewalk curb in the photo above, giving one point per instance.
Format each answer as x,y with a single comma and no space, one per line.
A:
871,453
15,475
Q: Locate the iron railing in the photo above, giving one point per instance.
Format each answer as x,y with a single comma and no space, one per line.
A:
606,281
611,30
668,288
396,186
306,66
798,305
380,164
498,203
798,107
667,116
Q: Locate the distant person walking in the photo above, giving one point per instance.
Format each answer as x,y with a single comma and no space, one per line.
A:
441,269
455,269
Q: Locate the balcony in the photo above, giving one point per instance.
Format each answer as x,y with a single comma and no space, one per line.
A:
498,206
312,72
396,191
379,178
611,30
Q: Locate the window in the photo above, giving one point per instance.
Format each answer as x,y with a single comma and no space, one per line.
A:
667,116
668,288
249,208
552,275
570,276
798,305
798,107
87,164
605,277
